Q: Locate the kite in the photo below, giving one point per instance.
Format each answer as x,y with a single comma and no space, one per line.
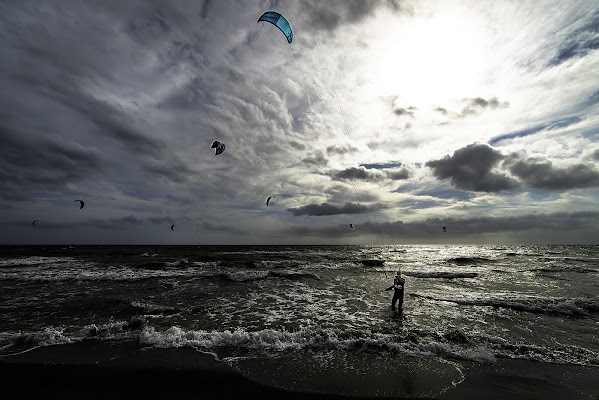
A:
81,205
279,21
34,221
351,226
172,226
219,146
267,200
444,229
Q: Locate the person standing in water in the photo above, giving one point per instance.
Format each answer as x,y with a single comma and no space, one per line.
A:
398,287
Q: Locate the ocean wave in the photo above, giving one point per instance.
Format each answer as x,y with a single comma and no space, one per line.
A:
283,340
443,275
573,355
259,275
278,264
244,276
92,272
565,268
469,260
579,307
182,261
148,308
294,275
18,342
34,261
11,343
452,344
372,262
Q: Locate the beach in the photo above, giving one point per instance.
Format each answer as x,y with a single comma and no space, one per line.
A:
100,371
92,371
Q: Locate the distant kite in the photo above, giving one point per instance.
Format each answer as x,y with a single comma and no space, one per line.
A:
444,229
351,226
219,146
34,221
80,205
172,226
268,200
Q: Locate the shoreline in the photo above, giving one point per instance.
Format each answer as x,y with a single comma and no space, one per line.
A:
95,370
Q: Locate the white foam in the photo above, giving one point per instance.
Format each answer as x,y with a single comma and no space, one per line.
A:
46,337
281,340
177,263
34,260
246,276
279,264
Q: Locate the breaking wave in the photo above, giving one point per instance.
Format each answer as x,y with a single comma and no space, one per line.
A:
452,344
581,307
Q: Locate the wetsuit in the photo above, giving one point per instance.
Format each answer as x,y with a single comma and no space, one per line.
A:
398,287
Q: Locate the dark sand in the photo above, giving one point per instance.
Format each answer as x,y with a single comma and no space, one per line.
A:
100,371
93,370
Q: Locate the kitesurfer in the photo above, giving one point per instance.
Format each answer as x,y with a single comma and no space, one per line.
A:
398,288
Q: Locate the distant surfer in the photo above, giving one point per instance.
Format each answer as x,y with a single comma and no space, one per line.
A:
398,286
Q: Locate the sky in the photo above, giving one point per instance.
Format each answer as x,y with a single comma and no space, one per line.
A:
398,117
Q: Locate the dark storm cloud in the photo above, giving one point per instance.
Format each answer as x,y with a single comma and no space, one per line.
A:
117,223
221,228
204,11
357,174
399,174
172,170
111,120
470,168
47,165
556,124
456,227
542,174
161,220
363,174
124,222
326,209
560,221
101,223
579,42
62,81
54,69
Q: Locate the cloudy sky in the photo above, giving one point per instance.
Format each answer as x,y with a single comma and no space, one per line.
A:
399,117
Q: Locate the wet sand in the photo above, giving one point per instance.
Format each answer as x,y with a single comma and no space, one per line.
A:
98,371
95,370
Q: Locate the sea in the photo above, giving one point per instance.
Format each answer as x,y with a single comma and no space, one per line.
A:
318,318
